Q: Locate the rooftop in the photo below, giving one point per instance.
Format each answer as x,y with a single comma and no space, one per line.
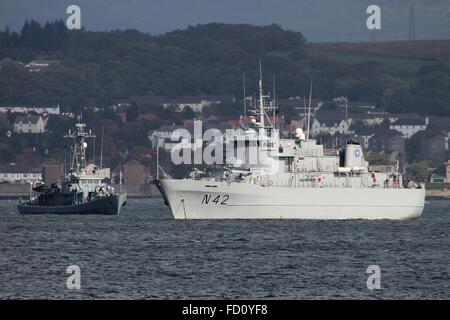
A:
19,168
330,115
410,122
27,119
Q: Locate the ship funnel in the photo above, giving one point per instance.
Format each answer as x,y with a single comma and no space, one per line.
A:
353,155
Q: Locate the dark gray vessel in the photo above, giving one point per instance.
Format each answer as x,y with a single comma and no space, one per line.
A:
82,191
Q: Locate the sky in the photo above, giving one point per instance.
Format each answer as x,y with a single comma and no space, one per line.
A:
318,20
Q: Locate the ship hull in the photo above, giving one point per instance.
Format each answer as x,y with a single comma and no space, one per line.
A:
110,205
196,199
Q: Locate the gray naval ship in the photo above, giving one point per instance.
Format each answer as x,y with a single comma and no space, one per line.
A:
82,191
294,179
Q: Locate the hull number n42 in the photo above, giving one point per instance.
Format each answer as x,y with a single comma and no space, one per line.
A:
215,199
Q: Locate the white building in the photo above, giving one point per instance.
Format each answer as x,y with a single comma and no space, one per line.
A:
369,119
330,127
409,127
196,106
37,65
25,109
29,124
197,103
20,174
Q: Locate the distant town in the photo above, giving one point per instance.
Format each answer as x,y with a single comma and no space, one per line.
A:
419,143
134,89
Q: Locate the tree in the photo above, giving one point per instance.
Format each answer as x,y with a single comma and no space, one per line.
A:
419,171
330,105
98,67
414,147
132,113
187,113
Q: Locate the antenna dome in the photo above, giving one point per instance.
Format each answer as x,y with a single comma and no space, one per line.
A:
300,134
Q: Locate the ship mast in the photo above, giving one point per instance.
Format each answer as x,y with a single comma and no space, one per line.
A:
259,108
79,137
261,100
274,107
245,104
309,109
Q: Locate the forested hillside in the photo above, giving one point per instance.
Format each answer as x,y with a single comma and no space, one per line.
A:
95,68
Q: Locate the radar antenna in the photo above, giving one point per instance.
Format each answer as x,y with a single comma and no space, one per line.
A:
79,146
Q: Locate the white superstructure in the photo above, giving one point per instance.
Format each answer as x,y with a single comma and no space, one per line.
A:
291,179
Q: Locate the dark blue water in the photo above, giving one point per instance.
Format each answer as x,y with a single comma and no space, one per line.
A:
144,254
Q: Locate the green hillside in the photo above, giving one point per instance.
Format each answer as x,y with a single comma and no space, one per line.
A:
359,57
95,68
